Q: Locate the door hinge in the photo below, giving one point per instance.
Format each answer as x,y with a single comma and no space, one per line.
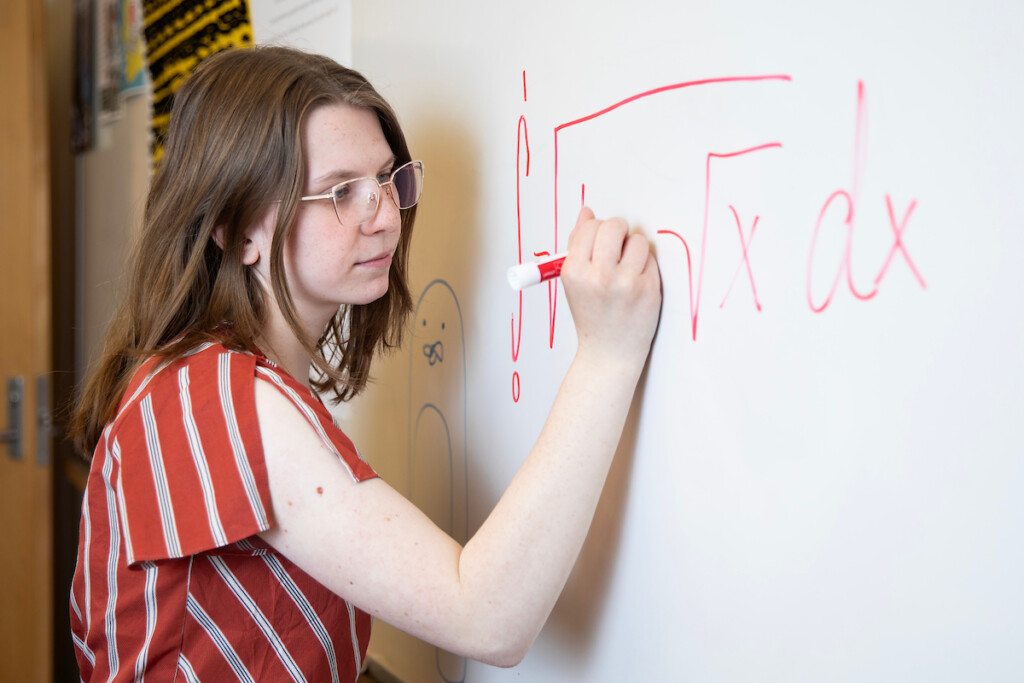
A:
44,421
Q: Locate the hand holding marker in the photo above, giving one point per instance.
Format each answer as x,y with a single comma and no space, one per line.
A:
526,275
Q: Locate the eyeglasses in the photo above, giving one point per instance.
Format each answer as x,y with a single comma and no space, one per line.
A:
356,201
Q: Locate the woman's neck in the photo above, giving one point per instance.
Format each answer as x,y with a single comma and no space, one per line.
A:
280,344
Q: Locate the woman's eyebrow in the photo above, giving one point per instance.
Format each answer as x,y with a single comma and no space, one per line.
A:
335,176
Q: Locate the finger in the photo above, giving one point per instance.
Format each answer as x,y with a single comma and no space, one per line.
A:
610,240
635,252
652,270
581,239
586,214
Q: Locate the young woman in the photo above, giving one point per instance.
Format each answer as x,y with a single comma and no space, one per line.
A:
230,529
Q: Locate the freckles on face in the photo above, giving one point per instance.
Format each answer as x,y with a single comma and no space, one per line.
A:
329,264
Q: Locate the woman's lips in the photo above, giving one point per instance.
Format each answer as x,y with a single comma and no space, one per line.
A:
379,261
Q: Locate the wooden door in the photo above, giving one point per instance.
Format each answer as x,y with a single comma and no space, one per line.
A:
26,616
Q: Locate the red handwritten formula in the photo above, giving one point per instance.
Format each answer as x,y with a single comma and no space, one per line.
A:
712,219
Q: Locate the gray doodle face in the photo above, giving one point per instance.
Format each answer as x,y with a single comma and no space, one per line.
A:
433,350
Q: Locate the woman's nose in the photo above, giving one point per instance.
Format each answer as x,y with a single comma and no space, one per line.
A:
387,215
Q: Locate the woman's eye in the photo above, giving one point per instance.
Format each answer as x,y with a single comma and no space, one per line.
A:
342,192
384,177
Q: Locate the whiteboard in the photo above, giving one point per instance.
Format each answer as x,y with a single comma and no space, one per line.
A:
820,477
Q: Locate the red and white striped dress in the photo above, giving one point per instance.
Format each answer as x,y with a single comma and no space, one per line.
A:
173,582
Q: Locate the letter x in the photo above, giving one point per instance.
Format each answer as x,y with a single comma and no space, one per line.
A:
897,244
744,260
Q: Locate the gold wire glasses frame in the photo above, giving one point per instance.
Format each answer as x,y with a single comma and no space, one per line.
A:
356,201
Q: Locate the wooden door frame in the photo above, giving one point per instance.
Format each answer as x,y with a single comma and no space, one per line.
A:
27,628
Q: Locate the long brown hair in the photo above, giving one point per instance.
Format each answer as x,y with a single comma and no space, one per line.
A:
234,147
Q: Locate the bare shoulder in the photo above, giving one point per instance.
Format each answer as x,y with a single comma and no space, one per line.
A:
300,466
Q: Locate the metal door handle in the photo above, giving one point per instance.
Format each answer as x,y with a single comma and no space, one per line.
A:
14,434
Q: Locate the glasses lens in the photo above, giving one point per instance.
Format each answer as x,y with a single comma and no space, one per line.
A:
408,183
356,200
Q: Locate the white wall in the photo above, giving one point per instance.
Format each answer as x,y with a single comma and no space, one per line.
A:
113,179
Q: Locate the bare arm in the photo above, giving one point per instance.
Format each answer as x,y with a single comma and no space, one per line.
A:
490,599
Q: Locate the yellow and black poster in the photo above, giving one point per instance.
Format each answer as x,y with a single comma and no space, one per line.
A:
181,33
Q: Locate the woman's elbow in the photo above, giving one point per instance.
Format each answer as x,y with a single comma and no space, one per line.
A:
505,657
502,648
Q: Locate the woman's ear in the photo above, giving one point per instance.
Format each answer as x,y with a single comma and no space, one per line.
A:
250,249
250,252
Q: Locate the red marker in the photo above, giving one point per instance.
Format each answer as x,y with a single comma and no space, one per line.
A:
527,274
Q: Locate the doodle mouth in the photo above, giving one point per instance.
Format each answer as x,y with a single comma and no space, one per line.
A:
434,352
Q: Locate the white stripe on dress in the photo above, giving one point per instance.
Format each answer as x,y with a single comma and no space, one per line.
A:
86,551
199,459
80,644
149,598
237,446
355,636
74,607
122,510
185,667
220,641
259,618
110,616
163,491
